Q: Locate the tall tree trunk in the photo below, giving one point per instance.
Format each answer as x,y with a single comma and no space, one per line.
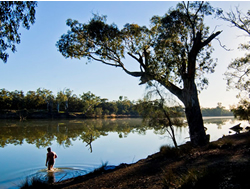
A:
194,117
189,98
195,122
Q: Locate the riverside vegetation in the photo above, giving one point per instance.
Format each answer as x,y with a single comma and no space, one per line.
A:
43,104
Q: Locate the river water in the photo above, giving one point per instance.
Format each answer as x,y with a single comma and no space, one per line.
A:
83,145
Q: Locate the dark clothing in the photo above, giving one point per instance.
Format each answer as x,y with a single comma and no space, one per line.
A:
50,160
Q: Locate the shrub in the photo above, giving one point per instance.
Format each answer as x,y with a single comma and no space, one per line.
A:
169,151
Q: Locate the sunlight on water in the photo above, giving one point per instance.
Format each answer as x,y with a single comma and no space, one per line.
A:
83,145
58,174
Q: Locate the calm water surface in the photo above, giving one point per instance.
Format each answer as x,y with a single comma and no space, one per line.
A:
83,145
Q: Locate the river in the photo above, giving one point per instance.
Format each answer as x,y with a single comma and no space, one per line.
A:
83,145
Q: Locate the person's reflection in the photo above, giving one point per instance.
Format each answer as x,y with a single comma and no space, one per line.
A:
51,177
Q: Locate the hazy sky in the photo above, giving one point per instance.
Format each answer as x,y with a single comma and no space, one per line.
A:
37,63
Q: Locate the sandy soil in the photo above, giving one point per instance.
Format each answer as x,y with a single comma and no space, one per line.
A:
223,164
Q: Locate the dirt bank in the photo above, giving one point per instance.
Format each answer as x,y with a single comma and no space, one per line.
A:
221,164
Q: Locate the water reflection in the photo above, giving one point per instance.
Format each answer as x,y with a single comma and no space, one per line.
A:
119,141
42,133
51,177
219,121
58,174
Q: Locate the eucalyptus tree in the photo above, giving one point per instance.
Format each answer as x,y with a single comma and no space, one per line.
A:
60,98
90,101
12,14
31,100
68,94
238,73
124,105
174,51
46,96
5,99
239,69
17,100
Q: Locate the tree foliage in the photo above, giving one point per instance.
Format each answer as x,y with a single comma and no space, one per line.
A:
175,51
217,111
65,101
242,110
161,51
41,99
239,69
238,72
87,131
12,15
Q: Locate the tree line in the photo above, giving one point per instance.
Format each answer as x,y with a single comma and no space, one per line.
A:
64,101
87,103
219,110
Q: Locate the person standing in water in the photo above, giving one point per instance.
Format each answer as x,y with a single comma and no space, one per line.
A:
50,160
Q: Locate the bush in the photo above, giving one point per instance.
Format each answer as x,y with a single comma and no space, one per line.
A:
169,151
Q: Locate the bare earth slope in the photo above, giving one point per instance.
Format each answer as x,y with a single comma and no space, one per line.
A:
221,164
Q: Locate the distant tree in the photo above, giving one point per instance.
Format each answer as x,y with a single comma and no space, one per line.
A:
60,98
31,100
5,99
219,110
108,107
12,14
46,97
75,103
124,105
175,52
68,94
17,100
90,101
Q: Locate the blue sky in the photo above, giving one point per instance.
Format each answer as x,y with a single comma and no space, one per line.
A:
37,63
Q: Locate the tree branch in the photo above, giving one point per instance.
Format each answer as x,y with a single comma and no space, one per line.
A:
223,46
107,63
208,40
119,64
199,9
171,87
188,15
138,59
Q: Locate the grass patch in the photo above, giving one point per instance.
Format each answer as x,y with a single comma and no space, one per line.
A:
205,179
225,142
34,183
99,170
193,178
170,151
214,177
212,145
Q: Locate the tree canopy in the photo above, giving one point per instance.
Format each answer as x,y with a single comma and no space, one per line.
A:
12,15
161,51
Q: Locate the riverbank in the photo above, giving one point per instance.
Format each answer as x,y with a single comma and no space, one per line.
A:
24,115
221,164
